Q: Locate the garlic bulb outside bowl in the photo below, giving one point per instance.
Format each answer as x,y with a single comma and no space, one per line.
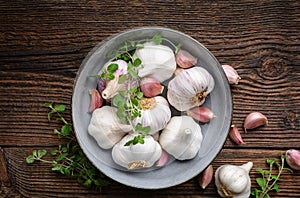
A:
189,88
233,181
181,138
155,113
136,156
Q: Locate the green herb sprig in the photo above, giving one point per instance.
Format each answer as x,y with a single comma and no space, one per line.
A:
69,159
268,181
127,101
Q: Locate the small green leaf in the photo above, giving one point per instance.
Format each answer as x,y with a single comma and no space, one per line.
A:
270,161
41,153
48,104
139,46
139,95
112,67
30,159
110,76
275,187
60,108
137,62
118,101
54,152
61,157
66,130
122,79
261,182
157,39
132,73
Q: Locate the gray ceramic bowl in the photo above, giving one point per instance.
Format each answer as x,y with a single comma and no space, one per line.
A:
177,172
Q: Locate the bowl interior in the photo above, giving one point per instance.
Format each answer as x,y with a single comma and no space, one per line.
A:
214,133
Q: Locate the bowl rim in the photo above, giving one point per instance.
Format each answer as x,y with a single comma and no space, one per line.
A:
228,103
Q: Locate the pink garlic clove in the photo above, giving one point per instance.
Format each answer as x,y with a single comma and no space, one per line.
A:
254,120
293,158
163,159
232,75
235,135
151,87
202,114
184,59
205,177
96,100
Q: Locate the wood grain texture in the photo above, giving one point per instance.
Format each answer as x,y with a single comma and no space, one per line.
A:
42,44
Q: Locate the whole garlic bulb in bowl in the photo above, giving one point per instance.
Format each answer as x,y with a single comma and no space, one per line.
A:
189,88
181,138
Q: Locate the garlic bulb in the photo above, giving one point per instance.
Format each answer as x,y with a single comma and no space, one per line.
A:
181,138
189,88
155,113
158,61
234,181
136,156
106,127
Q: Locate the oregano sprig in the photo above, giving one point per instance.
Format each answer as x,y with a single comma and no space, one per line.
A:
68,158
269,179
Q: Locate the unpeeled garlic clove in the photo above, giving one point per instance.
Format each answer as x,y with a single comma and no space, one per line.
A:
202,114
205,177
254,120
232,75
96,100
235,135
151,87
184,59
293,158
163,159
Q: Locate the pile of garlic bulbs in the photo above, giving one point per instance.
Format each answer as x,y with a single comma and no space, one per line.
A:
178,136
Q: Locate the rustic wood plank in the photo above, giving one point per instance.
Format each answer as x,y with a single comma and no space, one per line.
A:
29,182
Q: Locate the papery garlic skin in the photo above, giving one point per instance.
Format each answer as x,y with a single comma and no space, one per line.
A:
293,158
155,112
163,160
184,59
231,74
151,87
189,88
158,61
136,156
106,128
233,181
112,86
181,138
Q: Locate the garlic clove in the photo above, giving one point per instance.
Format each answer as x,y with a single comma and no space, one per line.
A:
163,160
293,158
231,74
96,100
254,120
205,177
184,59
202,114
151,87
235,135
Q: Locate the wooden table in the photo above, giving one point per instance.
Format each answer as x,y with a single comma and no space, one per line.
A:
44,42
